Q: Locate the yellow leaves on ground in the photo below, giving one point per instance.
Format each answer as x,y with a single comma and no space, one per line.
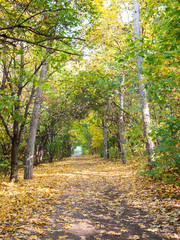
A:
26,208
27,202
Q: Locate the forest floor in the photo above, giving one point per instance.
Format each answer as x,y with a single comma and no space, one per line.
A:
86,197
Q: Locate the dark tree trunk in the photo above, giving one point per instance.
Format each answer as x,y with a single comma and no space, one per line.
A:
39,154
16,133
14,154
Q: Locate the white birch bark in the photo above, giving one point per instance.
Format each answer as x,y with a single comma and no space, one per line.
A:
121,121
106,139
142,91
28,169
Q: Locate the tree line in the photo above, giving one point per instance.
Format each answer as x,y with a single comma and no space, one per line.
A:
119,101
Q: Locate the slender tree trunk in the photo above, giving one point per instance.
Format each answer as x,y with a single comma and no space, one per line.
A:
51,150
142,91
121,121
4,71
40,150
39,154
106,138
16,133
14,153
90,144
28,170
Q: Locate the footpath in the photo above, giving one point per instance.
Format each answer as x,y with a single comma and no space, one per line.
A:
83,198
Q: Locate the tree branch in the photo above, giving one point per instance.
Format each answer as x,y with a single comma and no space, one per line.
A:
37,44
32,16
35,72
125,112
24,10
6,127
50,75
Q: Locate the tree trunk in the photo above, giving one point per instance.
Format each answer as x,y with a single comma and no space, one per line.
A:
28,170
16,133
106,139
121,121
14,153
90,144
4,71
51,149
142,91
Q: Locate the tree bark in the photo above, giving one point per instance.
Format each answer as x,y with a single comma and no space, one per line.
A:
28,169
142,91
106,138
14,153
51,149
4,71
16,133
121,121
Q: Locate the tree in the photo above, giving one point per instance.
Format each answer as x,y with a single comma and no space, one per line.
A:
54,26
14,91
106,137
37,104
76,93
34,23
121,120
28,169
161,69
142,91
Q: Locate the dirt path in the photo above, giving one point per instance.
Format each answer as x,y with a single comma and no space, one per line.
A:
86,198
96,207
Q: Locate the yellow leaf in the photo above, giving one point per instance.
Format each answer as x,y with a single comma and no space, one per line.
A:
63,237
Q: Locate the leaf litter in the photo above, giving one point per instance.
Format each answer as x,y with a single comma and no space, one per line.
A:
88,198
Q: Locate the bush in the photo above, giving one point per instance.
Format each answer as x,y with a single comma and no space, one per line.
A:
167,153
5,166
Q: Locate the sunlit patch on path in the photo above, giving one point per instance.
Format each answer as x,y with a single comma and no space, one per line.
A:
82,227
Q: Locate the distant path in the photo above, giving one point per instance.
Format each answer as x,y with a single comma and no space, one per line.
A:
95,206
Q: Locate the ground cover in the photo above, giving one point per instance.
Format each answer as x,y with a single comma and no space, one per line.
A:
88,198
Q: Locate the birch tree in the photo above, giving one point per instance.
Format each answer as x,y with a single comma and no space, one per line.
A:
121,121
106,139
142,91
